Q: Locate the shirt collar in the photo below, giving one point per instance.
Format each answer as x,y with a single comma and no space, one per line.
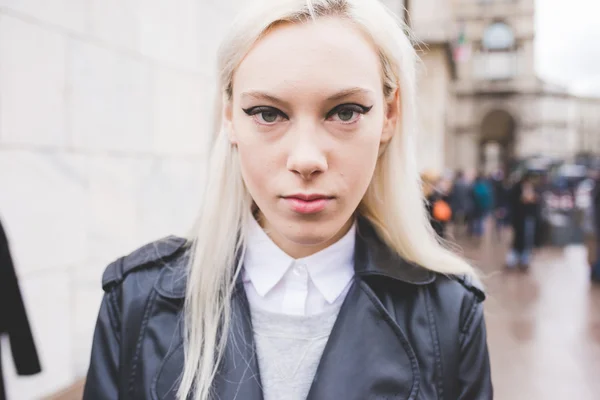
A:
372,258
330,270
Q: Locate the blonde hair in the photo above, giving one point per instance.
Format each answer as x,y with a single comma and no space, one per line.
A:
393,202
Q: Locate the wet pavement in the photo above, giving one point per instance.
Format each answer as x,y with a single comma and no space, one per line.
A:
543,324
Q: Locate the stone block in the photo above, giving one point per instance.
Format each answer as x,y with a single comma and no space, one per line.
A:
169,31
113,206
182,113
214,22
89,273
230,6
169,198
87,299
32,84
42,205
115,22
66,14
110,102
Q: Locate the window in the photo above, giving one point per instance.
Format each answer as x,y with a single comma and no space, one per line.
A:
498,55
495,65
498,36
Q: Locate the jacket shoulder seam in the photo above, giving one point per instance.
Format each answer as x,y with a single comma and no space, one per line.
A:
145,257
472,286
113,315
134,362
436,345
469,320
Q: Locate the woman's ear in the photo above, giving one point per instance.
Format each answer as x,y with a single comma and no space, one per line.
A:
228,120
392,117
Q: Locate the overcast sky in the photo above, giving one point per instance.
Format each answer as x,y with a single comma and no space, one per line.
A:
568,44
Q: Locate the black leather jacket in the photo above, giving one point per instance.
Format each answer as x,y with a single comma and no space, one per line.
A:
403,333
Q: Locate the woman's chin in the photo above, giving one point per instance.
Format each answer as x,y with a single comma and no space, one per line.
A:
306,234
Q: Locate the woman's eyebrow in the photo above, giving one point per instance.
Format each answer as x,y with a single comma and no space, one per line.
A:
258,95
349,92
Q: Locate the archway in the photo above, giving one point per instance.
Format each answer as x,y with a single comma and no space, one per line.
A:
497,142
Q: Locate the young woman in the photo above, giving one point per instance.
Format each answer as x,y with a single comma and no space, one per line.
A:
313,272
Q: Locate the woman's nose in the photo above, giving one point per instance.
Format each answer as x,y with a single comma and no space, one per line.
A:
307,157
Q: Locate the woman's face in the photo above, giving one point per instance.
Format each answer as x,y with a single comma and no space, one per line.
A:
308,116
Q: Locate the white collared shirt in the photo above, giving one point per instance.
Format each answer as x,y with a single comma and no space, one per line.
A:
276,282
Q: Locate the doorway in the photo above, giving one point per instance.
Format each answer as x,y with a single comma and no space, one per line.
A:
497,141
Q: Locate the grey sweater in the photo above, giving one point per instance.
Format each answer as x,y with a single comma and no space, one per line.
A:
289,348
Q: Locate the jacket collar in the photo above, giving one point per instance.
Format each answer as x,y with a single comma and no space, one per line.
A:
372,257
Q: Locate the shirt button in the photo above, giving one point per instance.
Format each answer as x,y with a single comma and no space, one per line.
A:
300,269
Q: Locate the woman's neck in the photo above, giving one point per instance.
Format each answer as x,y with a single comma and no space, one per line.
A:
299,250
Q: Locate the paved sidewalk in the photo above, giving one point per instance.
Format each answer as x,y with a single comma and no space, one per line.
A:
543,325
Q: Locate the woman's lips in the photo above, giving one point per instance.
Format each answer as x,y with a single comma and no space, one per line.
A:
307,204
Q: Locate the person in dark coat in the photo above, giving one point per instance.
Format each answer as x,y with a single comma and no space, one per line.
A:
461,201
13,318
483,201
524,205
501,202
595,273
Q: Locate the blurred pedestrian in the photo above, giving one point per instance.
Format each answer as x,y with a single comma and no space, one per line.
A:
525,202
440,212
461,202
483,203
501,202
594,248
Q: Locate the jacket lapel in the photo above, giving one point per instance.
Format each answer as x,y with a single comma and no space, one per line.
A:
367,356
238,376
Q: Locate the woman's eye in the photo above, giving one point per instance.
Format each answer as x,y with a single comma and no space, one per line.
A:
348,113
268,116
265,115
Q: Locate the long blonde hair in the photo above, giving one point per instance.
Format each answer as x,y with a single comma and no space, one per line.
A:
393,202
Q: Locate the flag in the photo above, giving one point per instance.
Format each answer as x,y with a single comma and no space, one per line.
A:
462,48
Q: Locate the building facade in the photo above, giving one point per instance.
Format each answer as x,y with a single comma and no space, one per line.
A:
587,123
434,27
432,23
482,107
503,112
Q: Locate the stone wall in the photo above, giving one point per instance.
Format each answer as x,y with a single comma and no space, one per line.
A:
104,109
